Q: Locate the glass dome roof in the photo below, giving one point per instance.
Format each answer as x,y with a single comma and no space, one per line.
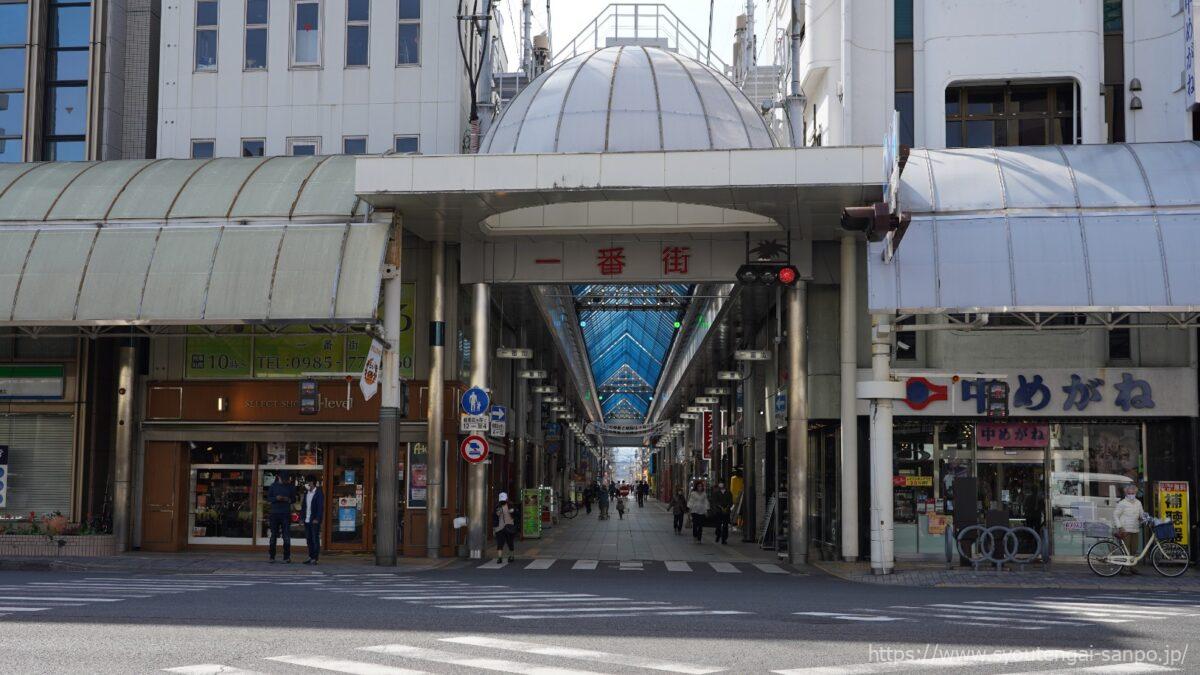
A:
628,99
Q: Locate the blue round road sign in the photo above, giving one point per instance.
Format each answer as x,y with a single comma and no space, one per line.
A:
475,401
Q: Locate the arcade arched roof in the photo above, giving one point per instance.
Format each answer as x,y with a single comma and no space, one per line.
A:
628,99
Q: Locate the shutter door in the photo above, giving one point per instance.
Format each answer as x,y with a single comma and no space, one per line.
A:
40,457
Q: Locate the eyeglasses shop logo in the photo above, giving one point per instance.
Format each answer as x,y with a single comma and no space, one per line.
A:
326,403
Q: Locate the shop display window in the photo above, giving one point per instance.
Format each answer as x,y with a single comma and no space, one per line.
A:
1090,466
203,452
912,482
292,461
221,489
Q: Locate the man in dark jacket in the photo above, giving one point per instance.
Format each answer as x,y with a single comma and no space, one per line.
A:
280,496
312,508
720,504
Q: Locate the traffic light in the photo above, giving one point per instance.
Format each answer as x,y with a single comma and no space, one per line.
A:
768,274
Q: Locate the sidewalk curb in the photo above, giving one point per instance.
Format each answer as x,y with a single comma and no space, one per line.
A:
216,566
1026,583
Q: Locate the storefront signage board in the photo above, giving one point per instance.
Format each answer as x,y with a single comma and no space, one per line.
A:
912,481
779,409
418,476
31,382
1012,435
3,476
1055,393
257,401
1173,504
283,355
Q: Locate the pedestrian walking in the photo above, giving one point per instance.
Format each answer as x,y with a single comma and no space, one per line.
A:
642,490
697,504
312,508
621,506
280,496
721,504
678,508
504,527
603,499
588,493
612,489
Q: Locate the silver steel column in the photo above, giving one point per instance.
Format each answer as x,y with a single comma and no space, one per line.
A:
882,528
123,460
386,483
849,412
521,425
434,413
477,486
539,445
797,434
750,425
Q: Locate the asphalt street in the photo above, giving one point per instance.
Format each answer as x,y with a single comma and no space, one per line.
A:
611,619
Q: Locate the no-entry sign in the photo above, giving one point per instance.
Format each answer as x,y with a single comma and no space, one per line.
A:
474,449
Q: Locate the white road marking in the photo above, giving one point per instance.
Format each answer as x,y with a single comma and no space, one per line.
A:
938,663
851,617
583,655
210,669
678,566
585,564
501,665
634,565
344,665
541,563
1026,615
60,599
543,617
770,569
703,611
506,605
651,607
493,565
27,609
725,568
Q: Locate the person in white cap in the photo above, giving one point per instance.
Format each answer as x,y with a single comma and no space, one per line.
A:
505,528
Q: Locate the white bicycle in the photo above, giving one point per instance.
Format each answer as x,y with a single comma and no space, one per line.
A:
1108,556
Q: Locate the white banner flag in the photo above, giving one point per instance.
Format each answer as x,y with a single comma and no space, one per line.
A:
368,382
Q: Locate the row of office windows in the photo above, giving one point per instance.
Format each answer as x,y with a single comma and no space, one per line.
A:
65,94
307,23
205,148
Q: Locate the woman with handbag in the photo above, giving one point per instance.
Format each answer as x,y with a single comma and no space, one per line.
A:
697,504
505,528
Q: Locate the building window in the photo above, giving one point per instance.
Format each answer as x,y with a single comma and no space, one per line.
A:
206,35
358,28
14,20
408,35
906,340
354,145
1114,20
66,96
1120,342
202,149
253,147
407,145
302,147
256,35
984,116
904,20
306,39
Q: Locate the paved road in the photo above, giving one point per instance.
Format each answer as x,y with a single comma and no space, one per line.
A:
611,619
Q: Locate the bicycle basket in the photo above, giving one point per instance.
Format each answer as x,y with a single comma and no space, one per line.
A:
1165,531
1097,530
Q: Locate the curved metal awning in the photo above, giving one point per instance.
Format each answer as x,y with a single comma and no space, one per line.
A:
186,242
1090,228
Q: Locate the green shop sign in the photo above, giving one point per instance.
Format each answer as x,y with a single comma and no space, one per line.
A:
293,352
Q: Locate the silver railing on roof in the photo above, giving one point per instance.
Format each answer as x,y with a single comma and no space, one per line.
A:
623,22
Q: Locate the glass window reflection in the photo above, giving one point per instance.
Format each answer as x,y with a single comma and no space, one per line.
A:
11,107
68,65
12,68
408,44
64,151
70,26
66,108
10,150
256,11
13,21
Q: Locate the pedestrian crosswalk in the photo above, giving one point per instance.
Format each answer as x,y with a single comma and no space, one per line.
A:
25,599
536,564
1040,613
461,652
516,604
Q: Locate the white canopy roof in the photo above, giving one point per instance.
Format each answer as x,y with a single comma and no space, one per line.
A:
1100,228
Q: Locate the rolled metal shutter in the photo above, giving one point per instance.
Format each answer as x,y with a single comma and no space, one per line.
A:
40,458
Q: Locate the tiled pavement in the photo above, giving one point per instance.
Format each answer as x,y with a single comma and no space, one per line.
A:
1060,575
643,534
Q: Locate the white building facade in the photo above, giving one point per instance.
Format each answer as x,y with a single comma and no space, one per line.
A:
295,77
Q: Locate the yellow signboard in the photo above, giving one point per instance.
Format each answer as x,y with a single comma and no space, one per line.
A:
1173,504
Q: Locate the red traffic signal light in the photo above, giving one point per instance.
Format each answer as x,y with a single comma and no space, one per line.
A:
768,274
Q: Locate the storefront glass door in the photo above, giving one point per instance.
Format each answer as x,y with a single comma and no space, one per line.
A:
1012,489
348,499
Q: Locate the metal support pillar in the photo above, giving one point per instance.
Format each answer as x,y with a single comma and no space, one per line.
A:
477,474
386,482
797,406
539,444
123,460
849,414
882,529
434,413
750,483
521,426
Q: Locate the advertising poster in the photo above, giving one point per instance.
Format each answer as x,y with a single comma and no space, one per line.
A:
347,514
3,476
531,513
418,475
1173,504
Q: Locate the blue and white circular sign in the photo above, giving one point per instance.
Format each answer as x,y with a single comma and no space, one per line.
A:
475,401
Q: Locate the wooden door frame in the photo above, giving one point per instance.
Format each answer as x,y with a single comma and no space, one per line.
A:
178,526
368,483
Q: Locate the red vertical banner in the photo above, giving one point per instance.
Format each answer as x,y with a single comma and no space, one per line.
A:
708,435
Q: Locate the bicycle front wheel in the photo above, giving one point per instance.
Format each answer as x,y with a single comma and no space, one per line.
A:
1170,559
569,510
1098,558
